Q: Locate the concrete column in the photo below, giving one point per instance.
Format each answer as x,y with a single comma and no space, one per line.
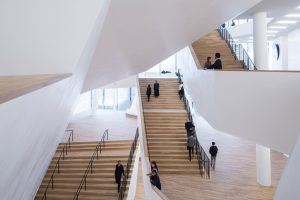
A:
263,165
260,40
284,43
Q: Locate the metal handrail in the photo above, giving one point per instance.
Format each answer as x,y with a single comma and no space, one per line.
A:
128,166
237,49
61,156
203,159
89,168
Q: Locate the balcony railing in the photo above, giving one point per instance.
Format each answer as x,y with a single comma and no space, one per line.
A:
237,49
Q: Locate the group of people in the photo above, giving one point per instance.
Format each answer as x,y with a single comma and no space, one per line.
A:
155,88
191,142
217,64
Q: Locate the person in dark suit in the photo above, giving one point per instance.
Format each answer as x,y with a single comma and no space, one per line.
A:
218,62
213,150
119,171
148,92
156,89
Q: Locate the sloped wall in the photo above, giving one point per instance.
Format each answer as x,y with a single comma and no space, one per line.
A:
33,124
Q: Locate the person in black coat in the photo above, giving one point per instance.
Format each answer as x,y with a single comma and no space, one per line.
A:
119,171
156,89
213,150
218,62
148,92
189,127
154,178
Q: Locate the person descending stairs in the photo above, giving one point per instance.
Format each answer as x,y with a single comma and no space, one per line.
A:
165,119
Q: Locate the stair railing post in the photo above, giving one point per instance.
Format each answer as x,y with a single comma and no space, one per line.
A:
52,186
57,166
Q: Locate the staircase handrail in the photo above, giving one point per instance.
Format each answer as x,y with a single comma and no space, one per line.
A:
89,168
128,166
203,159
61,156
237,49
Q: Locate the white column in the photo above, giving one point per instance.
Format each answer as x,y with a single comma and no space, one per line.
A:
95,100
284,51
260,40
263,165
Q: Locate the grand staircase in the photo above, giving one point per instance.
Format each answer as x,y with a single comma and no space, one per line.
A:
212,43
164,119
100,184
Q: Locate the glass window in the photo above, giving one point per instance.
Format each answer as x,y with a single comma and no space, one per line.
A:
109,98
123,98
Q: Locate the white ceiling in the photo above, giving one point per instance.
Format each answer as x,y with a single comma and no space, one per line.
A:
138,34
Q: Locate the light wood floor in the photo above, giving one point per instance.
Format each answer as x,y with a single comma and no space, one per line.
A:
235,174
15,86
90,127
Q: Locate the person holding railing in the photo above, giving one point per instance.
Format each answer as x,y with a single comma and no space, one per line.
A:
218,63
119,171
154,178
213,150
181,90
191,141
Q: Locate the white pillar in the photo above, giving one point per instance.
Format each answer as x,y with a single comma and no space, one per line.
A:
263,165
284,51
260,40
95,100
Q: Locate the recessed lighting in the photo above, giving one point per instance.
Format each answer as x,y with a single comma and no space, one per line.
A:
287,22
298,7
293,15
272,31
278,27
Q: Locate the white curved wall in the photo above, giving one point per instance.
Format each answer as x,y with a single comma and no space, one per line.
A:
33,124
138,34
260,106
42,37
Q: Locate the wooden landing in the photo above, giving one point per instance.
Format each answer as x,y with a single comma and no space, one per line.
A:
14,86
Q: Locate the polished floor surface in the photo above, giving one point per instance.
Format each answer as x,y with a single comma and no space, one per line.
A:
234,177
90,126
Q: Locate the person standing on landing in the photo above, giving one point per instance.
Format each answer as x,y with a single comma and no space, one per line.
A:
148,92
213,150
156,89
119,171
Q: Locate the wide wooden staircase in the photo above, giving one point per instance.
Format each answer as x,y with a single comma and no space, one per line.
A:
212,43
100,184
164,119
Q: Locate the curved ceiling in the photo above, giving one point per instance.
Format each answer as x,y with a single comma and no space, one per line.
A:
138,34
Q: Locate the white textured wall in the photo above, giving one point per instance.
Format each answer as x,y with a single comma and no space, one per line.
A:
260,106
33,124
44,36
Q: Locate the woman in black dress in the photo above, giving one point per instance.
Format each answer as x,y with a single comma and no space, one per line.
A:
154,178
148,92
